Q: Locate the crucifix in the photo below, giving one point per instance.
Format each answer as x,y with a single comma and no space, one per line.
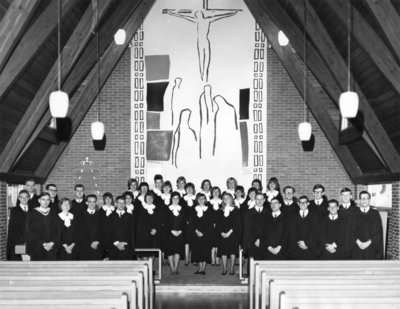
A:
203,19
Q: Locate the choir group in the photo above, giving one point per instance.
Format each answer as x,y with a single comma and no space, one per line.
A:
199,228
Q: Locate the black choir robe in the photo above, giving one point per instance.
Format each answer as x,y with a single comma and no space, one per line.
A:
158,201
16,232
230,245
67,235
40,229
105,221
368,226
348,216
89,230
187,210
174,244
121,229
320,210
54,205
332,231
275,234
145,222
291,209
254,225
303,229
78,208
201,246
33,201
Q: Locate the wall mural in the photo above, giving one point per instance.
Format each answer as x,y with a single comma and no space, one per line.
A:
198,93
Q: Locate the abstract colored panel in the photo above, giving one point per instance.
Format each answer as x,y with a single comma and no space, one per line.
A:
158,146
155,96
245,144
244,98
157,67
153,121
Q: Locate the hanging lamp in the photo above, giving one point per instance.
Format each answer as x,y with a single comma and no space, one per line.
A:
58,100
120,37
97,127
282,38
348,100
305,129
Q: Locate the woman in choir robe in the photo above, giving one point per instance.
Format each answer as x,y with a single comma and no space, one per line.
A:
368,231
90,232
140,199
202,230
206,188
332,234
166,194
215,203
303,230
228,232
274,240
174,230
67,231
148,226
231,184
240,203
121,232
16,225
105,220
180,185
129,207
273,190
188,203
40,230
257,184
133,186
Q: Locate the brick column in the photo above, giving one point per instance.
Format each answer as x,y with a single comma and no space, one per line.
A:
393,250
3,220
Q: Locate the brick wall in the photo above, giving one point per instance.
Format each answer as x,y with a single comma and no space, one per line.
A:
393,250
286,158
3,220
111,165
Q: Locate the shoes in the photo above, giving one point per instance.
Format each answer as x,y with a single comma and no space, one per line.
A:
224,272
202,272
197,272
232,273
177,272
212,264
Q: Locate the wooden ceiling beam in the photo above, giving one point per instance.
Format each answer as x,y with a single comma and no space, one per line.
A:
371,43
12,26
87,96
21,138
34,38
338,67
294,67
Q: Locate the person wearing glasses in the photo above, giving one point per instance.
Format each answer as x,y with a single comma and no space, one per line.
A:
51,189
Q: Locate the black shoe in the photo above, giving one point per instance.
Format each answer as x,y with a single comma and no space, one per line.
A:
232,273
202,272
197,272
224,272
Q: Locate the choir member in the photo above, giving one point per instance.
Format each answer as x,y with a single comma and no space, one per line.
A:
231,184
251,198
206,188
16,225
67,227
289,206
255,222
133,186
188,202
30,186
130,208
319,205
257,184
273,190
180,185
39,231
166,193
148,226
215,204
51,189
90,233
332,234
121,232
105,219
157,190
175,227
240,203
302,238
228,232
274,240
347,211
202,233
368,231
78,204
143,190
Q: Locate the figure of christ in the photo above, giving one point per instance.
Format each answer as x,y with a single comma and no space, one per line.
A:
203,19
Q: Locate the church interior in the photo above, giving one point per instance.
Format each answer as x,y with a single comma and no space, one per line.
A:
234,154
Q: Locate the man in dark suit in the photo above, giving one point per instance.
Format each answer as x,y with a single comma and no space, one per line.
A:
30,186
319,205
78,205
16,226
51,189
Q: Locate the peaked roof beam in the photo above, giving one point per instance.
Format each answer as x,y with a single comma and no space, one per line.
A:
87,96
294,67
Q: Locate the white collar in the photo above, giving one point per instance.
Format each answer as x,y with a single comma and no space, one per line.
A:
251,203
157,191
66,218
273,193
239,201
276,214
365,210
149,207
181,192
108,209
305,212
130,208
24,207
91,211
227,210
189,199
81,200
43,211
135,193
200,210
216,203
232,192
141,198
286,202
120,212
259,208
175,209
333,217
347,205
166,198
319,201
207,194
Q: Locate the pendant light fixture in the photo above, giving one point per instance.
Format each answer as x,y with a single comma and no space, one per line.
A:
348,101
282,38
97,127
120,37
58,100
305,128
